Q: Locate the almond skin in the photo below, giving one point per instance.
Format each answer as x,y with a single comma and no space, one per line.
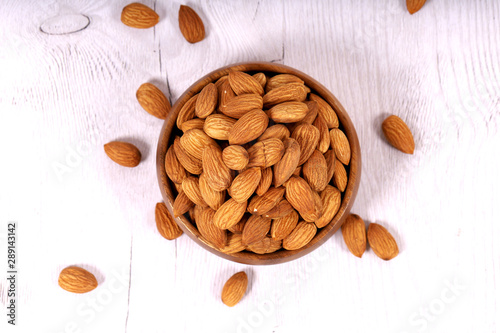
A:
330,163
237,106
244,184
217,174
340,176
153,100
234,289
187,111
265,245
213,198
315,171
331,199
414,6
282,209
207,101
307,137
303,233
249,127
137,15
288,112
284,169
229,214
175,170
182,204
165,223
191,25
262,204
123,153
235,157
382,242
354,234
340,144
255,229
234,244
276,131
265,181
398,134
324,134
266,153
280,80
300,195
286,93
195,141
243,83
193,123
214,235
217,126
317,210
226,93
261,78
191,187
191,164
324,109
283,226
77,280
312,112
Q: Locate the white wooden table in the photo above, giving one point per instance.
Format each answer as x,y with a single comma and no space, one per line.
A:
62,96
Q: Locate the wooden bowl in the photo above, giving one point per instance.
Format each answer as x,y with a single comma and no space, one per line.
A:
354,169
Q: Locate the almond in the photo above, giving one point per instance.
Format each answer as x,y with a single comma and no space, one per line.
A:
137,15
123,153
265,245
280,80
315,171
244,184
249,127
317,210
312,113
256,228
153,100
193,123
175,170
217,126
265,181
235,157
303,233
414,6
207,228
382,242
286,93
340,176
191,164
324,109
226,93
237,106
213,198
308,137
262,204
238,227
330,163
283,226
300,195
340,144
217,174
398,134
234,244
77,280
288,112
243,83
191,187
276,131
187,111
324,134
261,78
195,141
331,199
182,204
265,153
165,223
354,234
207,101
282,209
191,25
288,163
297,172
234,289
229,214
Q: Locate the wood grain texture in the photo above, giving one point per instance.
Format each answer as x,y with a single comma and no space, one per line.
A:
64,95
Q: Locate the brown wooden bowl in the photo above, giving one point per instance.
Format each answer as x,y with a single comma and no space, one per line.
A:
354,168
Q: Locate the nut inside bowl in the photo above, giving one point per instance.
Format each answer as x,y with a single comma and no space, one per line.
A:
353,169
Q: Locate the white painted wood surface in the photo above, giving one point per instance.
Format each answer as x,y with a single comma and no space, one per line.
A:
63,96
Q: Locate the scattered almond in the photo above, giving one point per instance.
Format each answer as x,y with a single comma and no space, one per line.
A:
153,100
165,223
191,25
382,242
77,280
414,6
398,134
234,289
123,153
137,15
354,234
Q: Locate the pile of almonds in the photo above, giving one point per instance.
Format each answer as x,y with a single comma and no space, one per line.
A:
260,164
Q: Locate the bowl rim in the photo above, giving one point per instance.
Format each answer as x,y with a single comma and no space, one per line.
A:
349,194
